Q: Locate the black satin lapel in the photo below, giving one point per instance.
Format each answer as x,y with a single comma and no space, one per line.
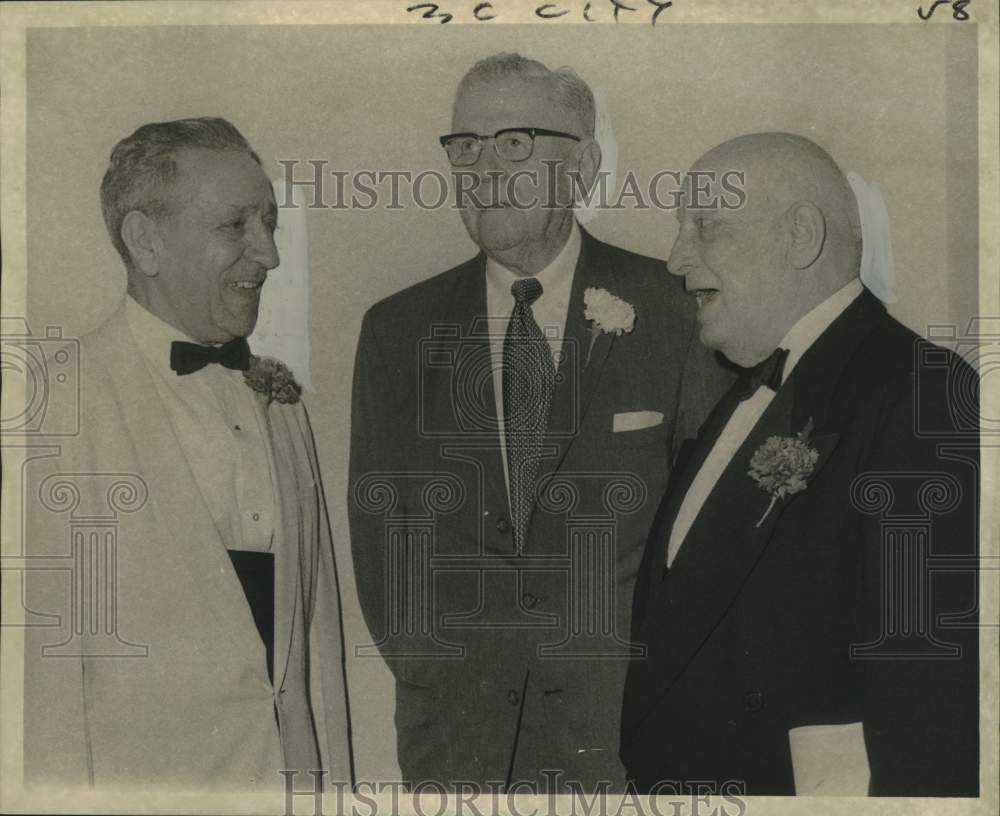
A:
824,444
718,554
690,462
684,454
690,458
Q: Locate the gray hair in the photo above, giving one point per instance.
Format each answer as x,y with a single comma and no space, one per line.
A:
143,168
568,91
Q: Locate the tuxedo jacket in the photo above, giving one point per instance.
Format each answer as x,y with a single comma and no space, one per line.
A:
854,601
504,664
155,676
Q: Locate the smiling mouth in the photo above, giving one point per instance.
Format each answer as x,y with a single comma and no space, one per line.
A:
247,285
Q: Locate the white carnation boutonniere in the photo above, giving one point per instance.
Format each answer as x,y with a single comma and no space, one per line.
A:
782,464
607,313
273,379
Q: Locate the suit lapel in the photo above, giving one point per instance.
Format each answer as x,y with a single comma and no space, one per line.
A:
718,553
690,459
584,354
577,380
725,542
462,395
290,528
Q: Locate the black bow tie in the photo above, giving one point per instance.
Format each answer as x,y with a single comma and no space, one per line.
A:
186,358
767,372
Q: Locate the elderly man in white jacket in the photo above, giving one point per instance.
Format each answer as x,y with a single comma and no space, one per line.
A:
204,648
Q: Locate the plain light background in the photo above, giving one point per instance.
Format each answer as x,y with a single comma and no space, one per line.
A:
896,103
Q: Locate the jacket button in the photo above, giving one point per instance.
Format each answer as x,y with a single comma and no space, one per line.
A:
529,600
513,697
753,701
502,525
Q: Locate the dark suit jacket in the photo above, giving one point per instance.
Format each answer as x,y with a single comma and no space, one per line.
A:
754,631
490,685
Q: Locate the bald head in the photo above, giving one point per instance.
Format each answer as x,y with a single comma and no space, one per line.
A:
794,241
781,170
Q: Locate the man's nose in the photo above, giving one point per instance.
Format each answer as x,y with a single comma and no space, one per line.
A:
261,247
489,162
682,255
491,176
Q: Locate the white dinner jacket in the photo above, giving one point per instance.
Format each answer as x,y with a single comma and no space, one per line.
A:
186,703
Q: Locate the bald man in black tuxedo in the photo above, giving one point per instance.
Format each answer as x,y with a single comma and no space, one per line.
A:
782,655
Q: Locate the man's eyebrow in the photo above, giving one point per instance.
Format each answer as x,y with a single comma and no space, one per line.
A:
232,210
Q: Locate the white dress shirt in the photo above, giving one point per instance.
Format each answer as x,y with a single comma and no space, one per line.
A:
221,427
549,312
798,340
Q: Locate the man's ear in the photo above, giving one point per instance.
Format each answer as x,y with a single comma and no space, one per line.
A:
142,238
588,162
807,227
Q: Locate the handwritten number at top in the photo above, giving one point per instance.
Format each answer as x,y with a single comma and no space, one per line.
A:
958,11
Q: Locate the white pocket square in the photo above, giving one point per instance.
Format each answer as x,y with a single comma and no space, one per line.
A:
635,420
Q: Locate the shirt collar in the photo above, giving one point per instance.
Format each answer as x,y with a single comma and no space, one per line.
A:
554,277
153,336
813,323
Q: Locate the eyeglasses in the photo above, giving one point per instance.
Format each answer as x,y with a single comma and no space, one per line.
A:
511,144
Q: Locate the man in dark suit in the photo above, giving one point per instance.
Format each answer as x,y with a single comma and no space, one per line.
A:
513,421
808,596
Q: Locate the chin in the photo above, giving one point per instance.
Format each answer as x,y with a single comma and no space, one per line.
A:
245,330
498,231
710,338
238,327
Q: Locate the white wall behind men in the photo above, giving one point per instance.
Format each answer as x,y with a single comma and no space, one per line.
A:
896,104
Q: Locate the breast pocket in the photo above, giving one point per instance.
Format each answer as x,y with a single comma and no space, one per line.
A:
654,438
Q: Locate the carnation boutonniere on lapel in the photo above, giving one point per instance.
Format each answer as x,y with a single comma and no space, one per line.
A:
607,313
782,464
273,379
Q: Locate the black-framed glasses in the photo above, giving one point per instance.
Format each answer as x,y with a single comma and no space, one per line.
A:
511,144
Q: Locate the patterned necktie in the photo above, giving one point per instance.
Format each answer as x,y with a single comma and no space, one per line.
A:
528,380
767,372
186,358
